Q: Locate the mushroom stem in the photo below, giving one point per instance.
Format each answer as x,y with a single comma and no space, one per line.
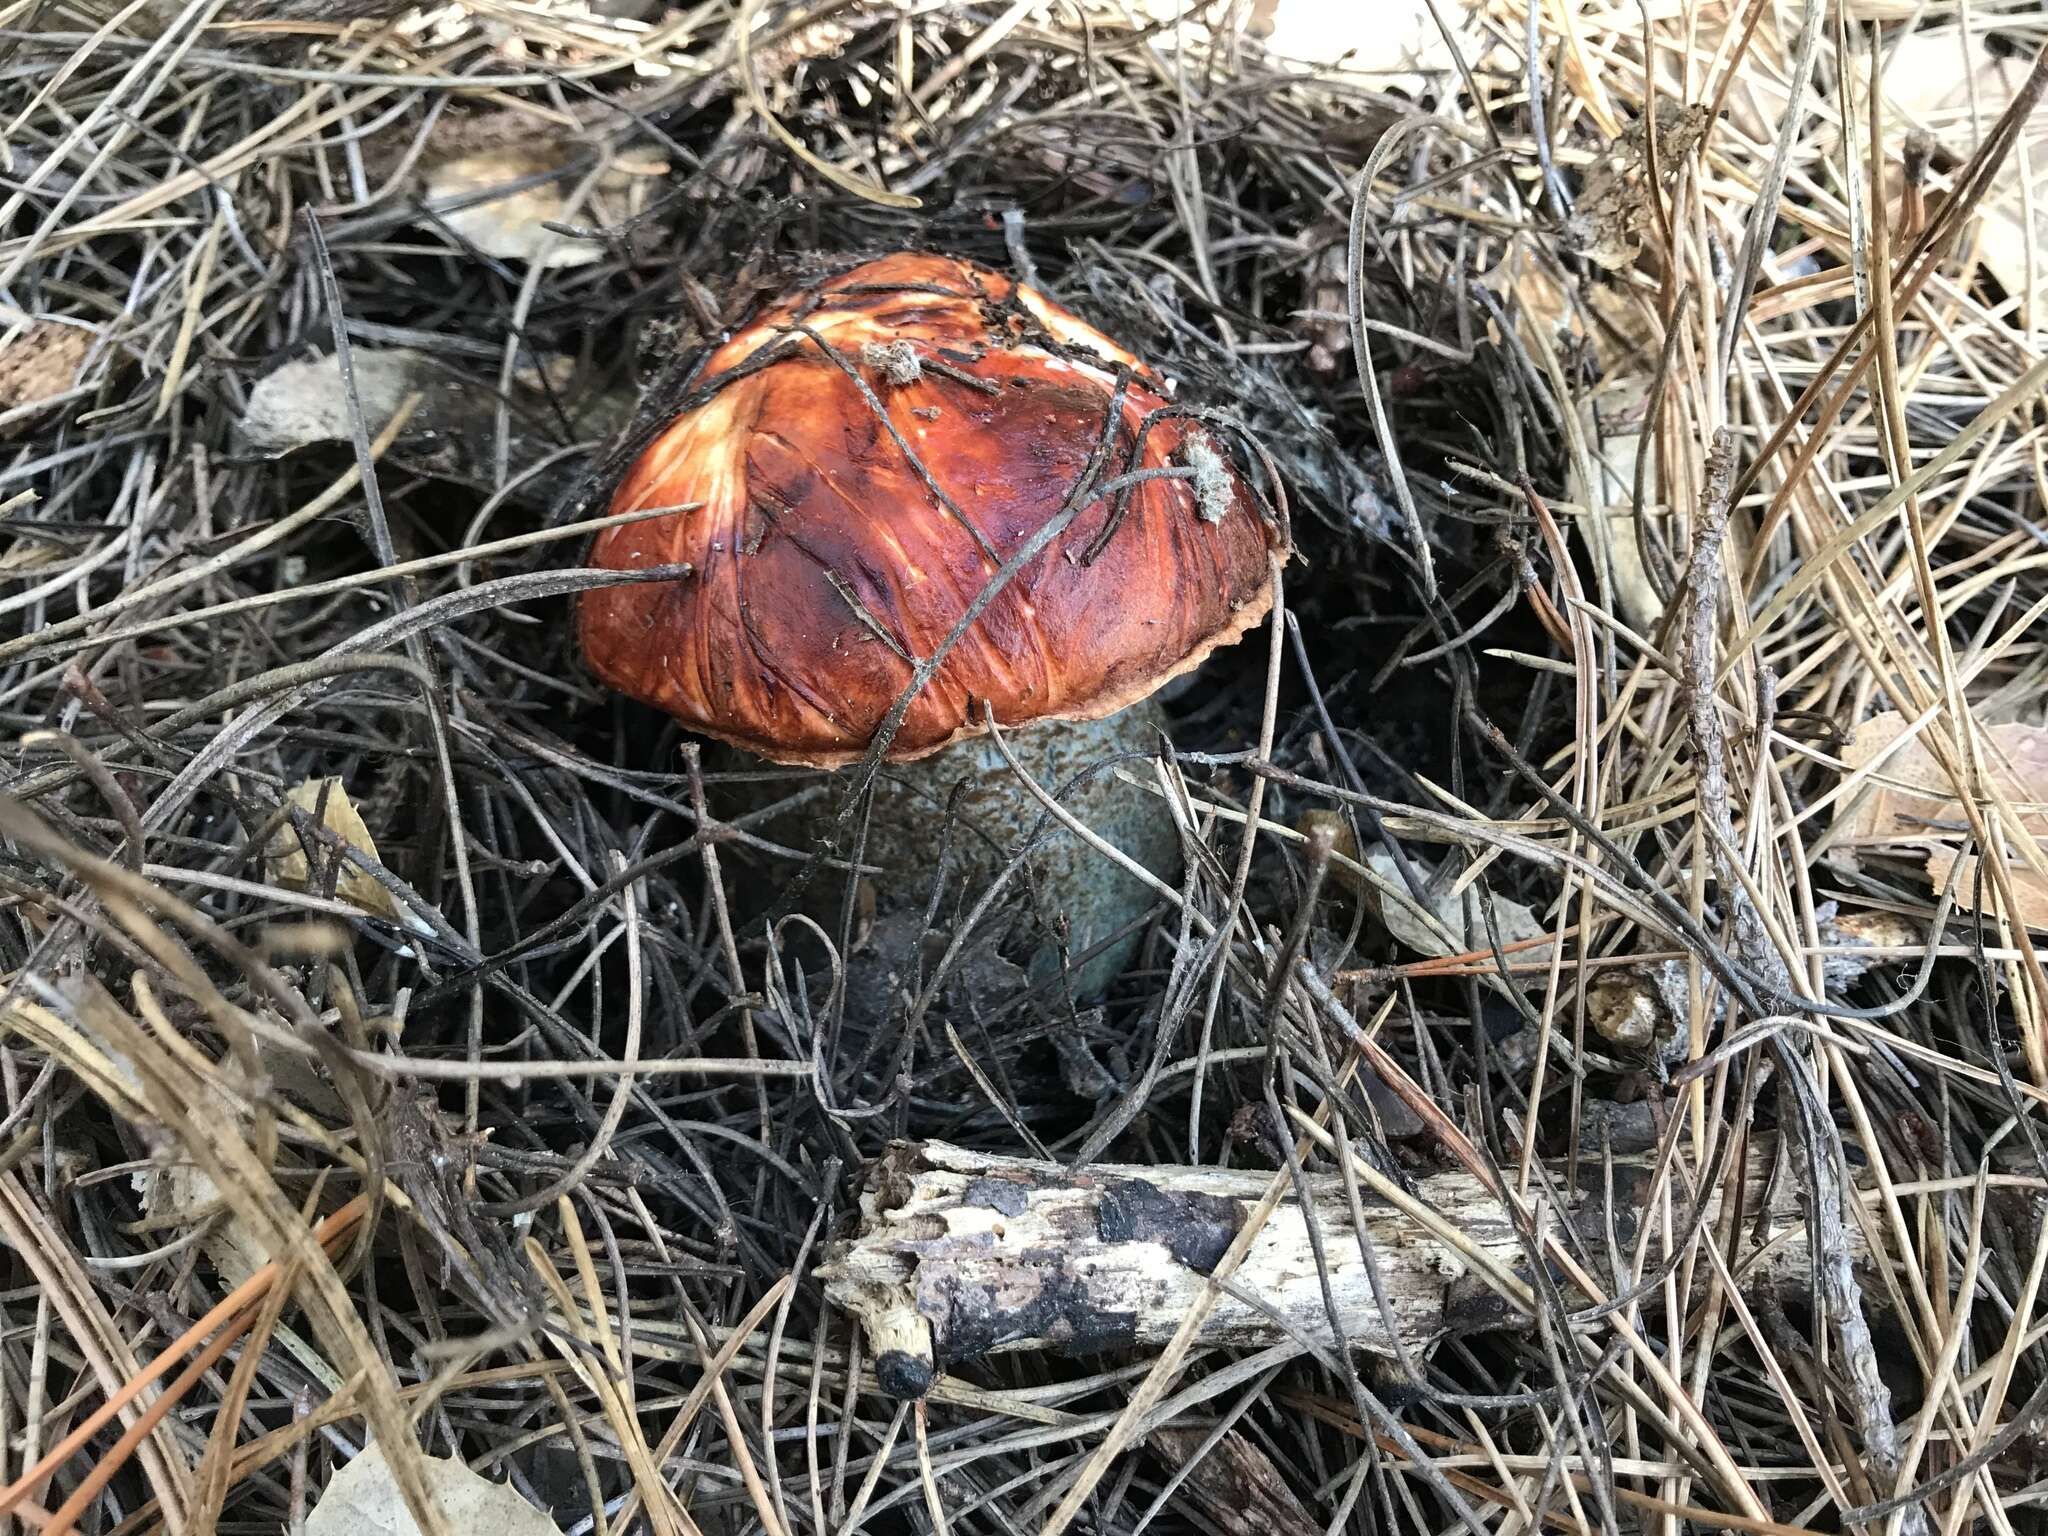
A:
1062,897
1083,900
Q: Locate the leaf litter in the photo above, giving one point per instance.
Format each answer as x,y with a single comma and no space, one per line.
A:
586,1116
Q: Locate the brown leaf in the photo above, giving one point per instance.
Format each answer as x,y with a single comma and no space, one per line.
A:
2029,890
1378,879
179,1195
303,401
288,863
41,362
1912,800
513,227
1914,805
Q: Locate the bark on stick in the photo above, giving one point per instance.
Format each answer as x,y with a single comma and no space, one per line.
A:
961,1254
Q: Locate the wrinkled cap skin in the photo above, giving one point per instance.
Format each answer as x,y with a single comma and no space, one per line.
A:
822,563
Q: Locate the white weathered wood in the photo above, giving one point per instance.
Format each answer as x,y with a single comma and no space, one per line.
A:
961,1254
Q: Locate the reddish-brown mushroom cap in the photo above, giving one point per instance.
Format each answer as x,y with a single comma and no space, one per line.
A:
851,504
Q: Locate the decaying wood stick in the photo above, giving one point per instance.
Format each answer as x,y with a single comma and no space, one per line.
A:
1235,1484
961,1254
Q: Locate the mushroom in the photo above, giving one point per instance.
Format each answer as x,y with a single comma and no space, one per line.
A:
922,496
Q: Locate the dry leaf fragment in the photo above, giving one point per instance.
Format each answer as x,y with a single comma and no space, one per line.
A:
1645,1007
452,432
29,550
1854,942
1387,38
41,361
1516,923
1614,208
512,226
1614,417
1380,883
1912,801
175,1195
1954,85
303,402
1324,319
1623,1008
338,814
2029,889
364,1500
179,1196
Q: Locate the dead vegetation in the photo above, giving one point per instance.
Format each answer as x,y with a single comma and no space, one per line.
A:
1631,816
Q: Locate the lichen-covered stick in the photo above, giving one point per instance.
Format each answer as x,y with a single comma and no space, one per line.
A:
961,1254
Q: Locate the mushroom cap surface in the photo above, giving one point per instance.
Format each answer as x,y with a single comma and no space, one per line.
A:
859,464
